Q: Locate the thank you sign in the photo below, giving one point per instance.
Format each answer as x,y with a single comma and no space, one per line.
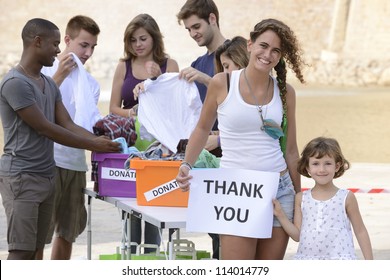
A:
232,201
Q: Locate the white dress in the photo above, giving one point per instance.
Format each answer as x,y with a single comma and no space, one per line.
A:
326,230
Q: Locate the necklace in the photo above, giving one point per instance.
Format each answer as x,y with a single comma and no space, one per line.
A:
28,74
259,108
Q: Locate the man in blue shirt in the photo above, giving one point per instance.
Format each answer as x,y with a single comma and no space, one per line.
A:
201,19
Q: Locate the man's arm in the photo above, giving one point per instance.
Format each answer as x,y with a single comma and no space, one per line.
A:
64,120
65,132
190,74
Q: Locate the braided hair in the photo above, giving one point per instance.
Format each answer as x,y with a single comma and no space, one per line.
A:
291,53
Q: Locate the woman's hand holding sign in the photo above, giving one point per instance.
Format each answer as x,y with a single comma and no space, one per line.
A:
183,178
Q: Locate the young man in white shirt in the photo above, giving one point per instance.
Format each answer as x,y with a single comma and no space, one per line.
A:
80,94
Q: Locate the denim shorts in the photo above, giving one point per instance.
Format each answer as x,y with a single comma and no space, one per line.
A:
286,196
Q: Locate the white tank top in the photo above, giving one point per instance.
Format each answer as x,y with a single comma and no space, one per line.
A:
244,145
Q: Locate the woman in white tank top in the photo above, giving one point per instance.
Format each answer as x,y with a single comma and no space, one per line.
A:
249,117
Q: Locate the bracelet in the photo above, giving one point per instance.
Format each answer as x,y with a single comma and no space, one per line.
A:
219,141
186,164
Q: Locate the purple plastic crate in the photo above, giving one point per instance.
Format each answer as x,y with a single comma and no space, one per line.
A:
113,178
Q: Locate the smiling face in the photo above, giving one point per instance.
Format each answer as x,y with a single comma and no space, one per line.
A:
322,170
199,30
265,51
83,45
49,47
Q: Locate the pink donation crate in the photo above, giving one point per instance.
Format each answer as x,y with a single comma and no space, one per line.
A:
113,178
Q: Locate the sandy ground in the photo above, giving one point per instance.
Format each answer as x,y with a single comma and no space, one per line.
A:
357,118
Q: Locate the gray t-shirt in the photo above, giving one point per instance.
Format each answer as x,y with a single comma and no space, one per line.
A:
25,151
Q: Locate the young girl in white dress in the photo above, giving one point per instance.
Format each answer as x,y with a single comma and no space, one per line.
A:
324,214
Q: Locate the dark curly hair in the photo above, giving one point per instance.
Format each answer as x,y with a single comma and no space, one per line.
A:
318,148
291,52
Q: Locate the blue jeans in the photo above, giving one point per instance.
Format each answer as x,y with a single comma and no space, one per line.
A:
286,196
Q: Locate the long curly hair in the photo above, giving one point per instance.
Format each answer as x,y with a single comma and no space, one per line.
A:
291,52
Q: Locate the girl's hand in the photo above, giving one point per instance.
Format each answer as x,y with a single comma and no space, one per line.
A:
138,89
183,178
153,69
278,211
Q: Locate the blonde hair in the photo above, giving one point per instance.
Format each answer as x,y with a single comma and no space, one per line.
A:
318,148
